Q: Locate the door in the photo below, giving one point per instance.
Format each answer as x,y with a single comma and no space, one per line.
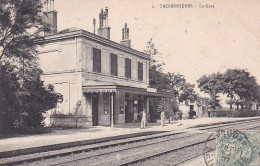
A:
203,110
191,111
95,109
129,114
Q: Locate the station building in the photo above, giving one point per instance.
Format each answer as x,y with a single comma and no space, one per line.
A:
200,106
102,82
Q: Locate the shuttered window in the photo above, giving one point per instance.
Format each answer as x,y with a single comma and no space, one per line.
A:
96,60
140,71
127,68
113,64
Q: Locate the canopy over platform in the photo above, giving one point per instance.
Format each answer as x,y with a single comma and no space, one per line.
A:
104,87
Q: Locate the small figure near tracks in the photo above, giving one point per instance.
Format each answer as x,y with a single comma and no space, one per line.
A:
143,115
162,118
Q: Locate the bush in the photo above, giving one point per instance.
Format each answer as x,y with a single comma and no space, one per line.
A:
39,100
22,106
7,120
231,113
178,115
222,113
9,107
247,113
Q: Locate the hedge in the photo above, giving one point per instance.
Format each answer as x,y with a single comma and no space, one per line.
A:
232,113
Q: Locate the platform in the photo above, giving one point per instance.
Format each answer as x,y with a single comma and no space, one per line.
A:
74,136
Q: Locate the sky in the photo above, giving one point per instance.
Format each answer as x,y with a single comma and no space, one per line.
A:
193,41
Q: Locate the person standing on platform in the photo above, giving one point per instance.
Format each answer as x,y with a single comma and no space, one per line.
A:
143,120
162,118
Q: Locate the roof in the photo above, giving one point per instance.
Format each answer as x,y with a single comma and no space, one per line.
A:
69,30
76,32
95,86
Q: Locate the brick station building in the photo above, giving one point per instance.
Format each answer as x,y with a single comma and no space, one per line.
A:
101,81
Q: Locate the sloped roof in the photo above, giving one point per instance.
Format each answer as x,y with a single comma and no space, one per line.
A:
76,32
72,29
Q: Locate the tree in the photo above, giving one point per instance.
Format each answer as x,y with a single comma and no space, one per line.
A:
177,81
182,90
155,62
22,92
20,23
39,100
157,79
174,83
212,85
168,106
231,102
239,82
9,107
257,100
188,93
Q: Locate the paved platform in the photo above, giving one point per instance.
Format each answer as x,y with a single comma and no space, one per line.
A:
58,136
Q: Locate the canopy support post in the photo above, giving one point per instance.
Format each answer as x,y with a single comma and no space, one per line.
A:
112,111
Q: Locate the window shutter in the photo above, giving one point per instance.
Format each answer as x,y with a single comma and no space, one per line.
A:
96,60
140,71
114,64
127,68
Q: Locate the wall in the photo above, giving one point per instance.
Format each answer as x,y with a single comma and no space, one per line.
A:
103,119
60,63
198,109
58,56
200,112
185,110
121,108
67,64
87,65
104,104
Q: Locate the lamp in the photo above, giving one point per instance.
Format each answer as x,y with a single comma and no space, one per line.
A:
135,102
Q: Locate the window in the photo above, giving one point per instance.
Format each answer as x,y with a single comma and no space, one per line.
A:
96,60
113,64
127,68
140,71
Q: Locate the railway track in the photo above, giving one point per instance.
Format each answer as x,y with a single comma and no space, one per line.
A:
161,144
188,153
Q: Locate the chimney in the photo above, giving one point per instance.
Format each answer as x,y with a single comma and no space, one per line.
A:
50,17
104,29
125,37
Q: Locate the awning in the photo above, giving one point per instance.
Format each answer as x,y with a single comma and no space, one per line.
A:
104,87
